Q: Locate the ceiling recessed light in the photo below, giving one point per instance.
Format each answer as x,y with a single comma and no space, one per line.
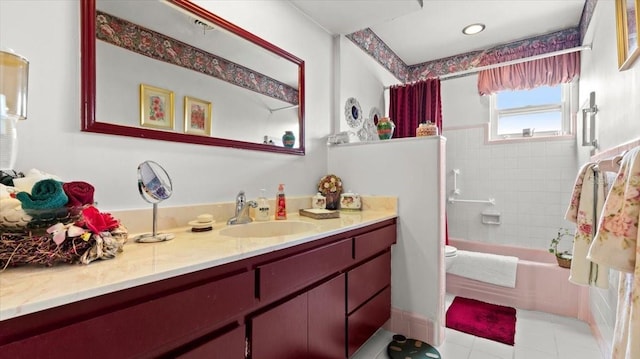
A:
473,29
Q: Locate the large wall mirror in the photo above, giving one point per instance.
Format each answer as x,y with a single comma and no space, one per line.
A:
171,70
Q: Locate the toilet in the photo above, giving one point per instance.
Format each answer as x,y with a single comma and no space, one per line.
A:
450,253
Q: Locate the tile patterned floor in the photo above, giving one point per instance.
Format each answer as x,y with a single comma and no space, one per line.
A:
538,336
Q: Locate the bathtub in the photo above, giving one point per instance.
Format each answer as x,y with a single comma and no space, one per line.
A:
541,284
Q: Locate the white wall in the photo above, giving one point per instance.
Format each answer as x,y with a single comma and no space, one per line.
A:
618,122
417,270
617,92
47,32
360,77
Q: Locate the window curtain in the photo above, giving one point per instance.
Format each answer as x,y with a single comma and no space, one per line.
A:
415,103
548,71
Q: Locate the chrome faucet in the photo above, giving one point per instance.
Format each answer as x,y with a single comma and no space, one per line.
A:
242,210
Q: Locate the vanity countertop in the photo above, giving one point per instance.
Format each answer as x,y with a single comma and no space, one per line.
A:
29,289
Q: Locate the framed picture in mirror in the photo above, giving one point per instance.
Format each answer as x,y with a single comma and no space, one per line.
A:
156,107
627,24
197,116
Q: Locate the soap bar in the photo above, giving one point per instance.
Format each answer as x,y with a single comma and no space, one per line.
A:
318,213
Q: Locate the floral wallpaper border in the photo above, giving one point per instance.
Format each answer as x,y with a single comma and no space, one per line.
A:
369,42
132,37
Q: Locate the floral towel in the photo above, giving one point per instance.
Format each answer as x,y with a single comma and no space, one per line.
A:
615,242
616,245
583,210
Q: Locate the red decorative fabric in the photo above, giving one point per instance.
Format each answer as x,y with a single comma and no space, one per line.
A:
548,71
415,103
490,321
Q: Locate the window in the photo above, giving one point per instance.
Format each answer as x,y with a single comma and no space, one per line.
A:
542,111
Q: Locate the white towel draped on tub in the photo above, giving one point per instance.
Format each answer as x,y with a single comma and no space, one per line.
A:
486,267
616,245
583,211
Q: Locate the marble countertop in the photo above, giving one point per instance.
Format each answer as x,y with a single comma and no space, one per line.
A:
29,289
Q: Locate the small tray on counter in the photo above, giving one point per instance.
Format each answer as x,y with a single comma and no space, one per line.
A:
317,213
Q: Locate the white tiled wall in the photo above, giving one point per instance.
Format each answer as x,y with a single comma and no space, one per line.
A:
531,183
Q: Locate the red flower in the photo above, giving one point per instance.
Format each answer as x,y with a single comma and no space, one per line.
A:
97,222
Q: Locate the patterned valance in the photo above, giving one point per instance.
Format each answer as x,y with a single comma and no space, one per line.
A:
132,37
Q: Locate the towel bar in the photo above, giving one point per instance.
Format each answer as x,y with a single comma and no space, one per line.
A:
490,200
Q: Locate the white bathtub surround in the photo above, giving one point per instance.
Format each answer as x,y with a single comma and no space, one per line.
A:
617,245
585,206
486,267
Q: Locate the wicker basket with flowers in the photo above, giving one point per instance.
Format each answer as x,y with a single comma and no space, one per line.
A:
57,223
563,258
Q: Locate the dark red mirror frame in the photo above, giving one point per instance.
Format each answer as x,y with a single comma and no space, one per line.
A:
88,86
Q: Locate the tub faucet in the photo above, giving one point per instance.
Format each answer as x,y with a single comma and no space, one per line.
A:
242,210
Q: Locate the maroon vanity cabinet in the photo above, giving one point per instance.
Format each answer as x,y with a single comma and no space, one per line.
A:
320,299
310,325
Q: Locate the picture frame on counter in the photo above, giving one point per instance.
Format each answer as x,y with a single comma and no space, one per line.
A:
156,107
197,116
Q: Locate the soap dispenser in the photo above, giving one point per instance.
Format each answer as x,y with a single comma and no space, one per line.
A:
262,211
281,203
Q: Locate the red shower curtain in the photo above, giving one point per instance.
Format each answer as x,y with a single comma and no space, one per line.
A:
414,103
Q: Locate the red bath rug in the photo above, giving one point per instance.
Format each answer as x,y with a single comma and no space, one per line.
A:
490,321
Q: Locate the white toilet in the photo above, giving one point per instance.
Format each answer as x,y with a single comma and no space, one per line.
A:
450,253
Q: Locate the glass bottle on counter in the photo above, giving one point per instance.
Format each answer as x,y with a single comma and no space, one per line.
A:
262,211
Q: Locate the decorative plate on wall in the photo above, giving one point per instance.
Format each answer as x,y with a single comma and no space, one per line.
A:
353,113
375,115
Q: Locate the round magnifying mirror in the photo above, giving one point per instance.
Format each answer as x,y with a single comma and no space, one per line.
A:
154,185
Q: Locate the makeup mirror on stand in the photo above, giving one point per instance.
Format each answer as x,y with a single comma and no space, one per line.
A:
155,186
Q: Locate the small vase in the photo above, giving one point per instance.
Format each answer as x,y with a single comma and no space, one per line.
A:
288,139
385,128
333,200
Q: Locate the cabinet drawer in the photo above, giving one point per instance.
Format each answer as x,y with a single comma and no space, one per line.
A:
230,345
368,279
290,274
365,321
373,242
146,329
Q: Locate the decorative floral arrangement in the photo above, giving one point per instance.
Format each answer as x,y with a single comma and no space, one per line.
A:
93,236
330,184
56,222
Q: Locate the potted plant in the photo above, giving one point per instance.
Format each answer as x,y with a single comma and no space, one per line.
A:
563,258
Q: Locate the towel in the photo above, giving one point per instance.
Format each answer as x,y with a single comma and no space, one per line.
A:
616,240
79,193
486,267
46,194
26,183
584,210
616,244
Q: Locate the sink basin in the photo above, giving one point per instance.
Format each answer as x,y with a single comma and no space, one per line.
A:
267,229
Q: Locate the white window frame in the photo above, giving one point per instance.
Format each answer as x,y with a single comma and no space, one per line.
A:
567,107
